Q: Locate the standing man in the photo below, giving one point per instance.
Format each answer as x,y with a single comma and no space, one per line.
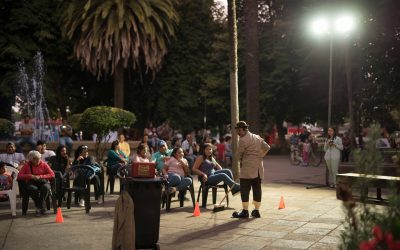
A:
251,151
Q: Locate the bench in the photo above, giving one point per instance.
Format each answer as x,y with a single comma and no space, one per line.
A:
385,169
348,180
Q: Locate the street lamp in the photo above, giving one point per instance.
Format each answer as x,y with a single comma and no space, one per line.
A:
340,25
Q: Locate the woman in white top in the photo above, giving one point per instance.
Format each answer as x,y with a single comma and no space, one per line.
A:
176,171
333,146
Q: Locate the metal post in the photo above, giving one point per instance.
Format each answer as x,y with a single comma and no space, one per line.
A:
330,79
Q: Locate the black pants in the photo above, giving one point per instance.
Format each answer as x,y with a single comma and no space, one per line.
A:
246,185
39,194
97,189
345,154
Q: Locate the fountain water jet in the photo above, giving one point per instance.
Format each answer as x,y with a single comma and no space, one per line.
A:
30,98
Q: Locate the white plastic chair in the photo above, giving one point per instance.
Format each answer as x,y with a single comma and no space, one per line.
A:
12,193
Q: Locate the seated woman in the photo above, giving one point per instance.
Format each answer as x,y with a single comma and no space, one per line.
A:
211,172
82,158
176,170
123,145
37,174
60,164
116,158
141,154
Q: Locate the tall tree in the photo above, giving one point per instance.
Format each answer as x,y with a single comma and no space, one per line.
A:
233,76
379,46
195,73
110,36
252,64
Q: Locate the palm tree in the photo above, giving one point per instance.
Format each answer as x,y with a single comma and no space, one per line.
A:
110,35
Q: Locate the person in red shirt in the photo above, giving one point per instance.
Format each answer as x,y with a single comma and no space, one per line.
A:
37,175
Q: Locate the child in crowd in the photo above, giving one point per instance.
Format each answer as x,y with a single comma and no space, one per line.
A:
6,180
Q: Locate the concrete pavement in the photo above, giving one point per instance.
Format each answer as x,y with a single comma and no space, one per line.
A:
312,219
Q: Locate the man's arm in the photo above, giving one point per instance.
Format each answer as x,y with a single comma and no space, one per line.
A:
265,147
26,130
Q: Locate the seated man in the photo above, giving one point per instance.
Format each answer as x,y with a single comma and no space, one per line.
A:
26,129
41,148
11,157
65,136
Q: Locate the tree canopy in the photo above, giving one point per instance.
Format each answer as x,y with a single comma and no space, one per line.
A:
193,80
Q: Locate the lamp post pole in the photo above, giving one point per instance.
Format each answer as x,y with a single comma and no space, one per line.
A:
330,79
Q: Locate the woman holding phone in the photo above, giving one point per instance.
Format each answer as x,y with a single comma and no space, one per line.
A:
333,147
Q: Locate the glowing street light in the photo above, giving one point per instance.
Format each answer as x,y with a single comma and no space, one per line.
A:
340,25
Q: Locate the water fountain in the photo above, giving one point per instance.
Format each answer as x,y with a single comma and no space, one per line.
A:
30,98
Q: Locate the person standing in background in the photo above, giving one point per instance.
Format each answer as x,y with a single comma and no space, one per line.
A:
65,135
346,147
332,147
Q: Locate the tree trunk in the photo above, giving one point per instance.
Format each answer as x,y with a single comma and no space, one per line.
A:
233,77
252,65
119,86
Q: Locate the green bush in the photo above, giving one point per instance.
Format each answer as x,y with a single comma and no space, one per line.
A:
7,128
101,120
75,121
367,226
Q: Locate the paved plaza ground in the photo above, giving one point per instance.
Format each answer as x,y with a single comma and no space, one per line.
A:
312,219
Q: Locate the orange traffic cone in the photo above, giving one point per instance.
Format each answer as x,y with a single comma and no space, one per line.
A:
59,217
196,210
281,203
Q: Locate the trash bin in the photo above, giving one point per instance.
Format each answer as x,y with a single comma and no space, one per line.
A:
146,195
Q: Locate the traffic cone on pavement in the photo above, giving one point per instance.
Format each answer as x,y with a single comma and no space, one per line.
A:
196,210
281,203
59,217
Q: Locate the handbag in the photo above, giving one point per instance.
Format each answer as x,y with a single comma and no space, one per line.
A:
37,182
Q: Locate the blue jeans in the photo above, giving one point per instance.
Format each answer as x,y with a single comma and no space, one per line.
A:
191,159
24,140
66,141
181,183
224,175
